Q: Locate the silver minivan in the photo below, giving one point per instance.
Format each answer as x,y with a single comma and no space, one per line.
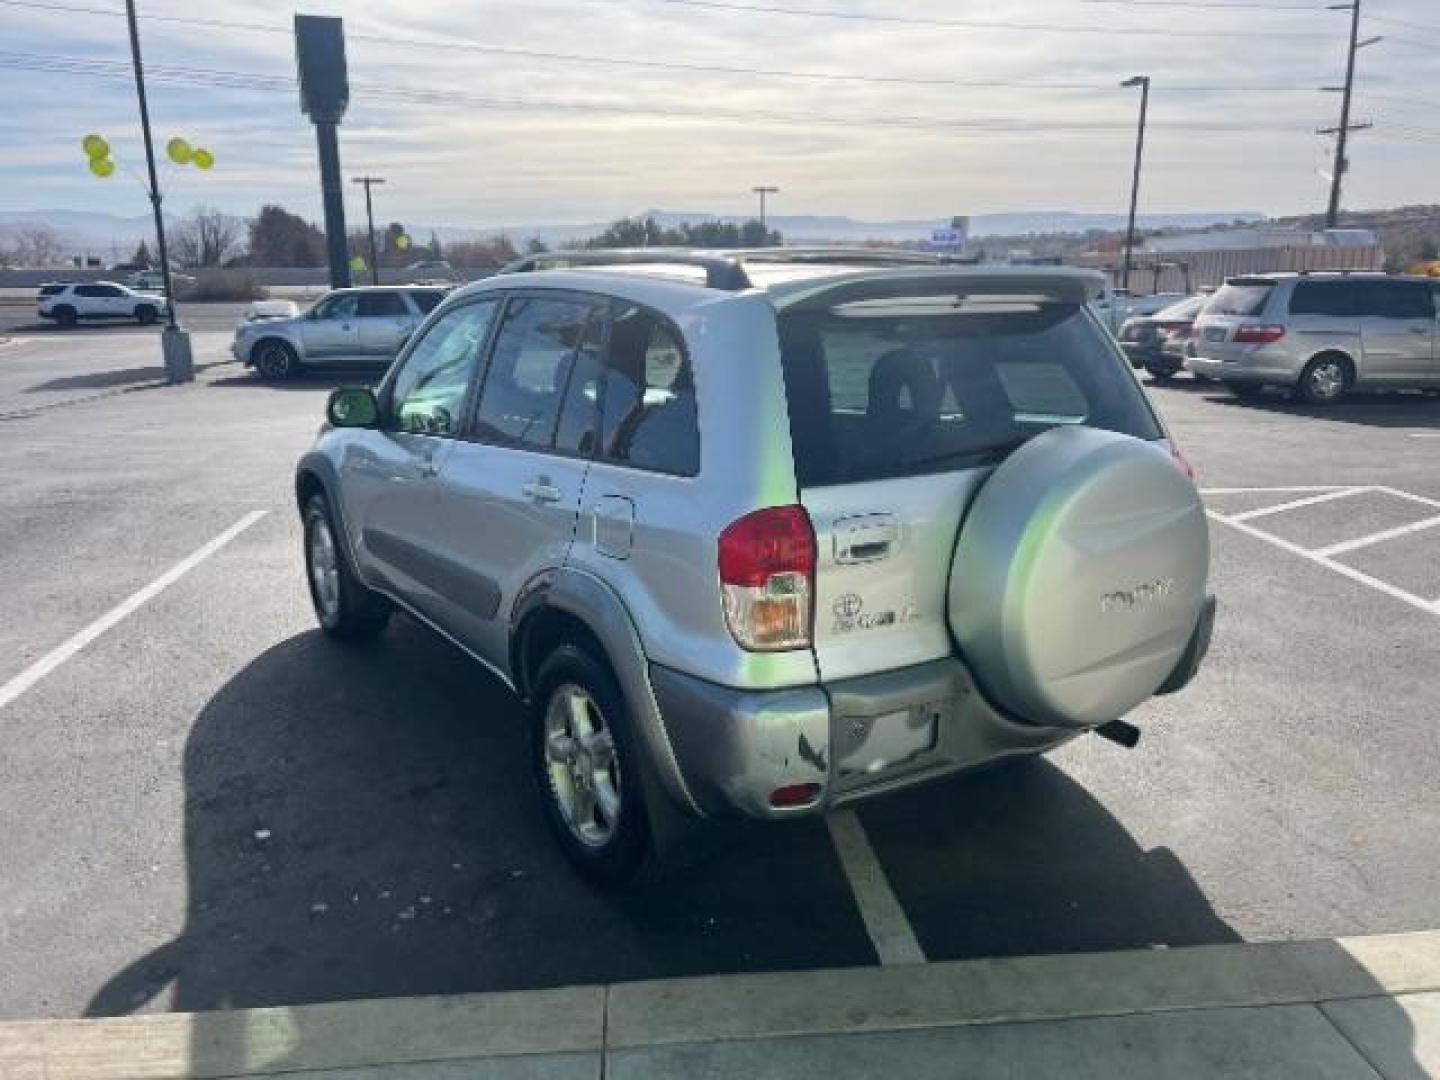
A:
1319,334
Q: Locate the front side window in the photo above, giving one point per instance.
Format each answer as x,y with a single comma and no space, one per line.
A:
343,306
428,394
97,291
1398,300
530,369
382,305
649,394
427,300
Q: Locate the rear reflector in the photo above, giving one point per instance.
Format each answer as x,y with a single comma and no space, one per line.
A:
794,795
1258,335
767,578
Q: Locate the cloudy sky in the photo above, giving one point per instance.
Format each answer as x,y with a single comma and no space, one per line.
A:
483,112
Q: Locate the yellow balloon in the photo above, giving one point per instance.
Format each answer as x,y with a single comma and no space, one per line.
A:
178,151
95,147
202,158
102,166
402,241
357,263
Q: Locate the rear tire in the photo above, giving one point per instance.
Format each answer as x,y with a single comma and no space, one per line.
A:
1161,372
344,607
588,771
146,314
275,360
66,317
1325,380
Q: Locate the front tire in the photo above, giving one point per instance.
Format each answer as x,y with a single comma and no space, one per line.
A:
588,770
1325,380
66,317
344,607
145,314
275,360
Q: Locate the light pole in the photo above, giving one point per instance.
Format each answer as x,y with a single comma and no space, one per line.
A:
762,190
370,181
1142,81
174,342
1342,132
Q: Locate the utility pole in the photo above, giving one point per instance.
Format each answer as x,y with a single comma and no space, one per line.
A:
1142,81
1342,133
763,190
174,342
370,181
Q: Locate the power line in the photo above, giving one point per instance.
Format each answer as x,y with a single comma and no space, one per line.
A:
212,77
975,24
458,44
1426,28
1211,5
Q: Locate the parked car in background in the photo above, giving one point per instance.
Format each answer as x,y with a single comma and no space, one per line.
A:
346,327
154,280
1157,342
431,272
932,525
1115,306
68,303
1320,335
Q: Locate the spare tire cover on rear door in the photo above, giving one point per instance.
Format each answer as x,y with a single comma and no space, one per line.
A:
1079,576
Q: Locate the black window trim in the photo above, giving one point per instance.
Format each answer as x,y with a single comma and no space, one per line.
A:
469,430
385,392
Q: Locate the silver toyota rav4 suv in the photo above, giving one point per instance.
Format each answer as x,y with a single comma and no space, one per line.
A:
766,534
1320,334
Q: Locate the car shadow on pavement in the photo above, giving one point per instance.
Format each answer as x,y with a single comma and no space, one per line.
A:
360,824
305,380
1394,410
105,380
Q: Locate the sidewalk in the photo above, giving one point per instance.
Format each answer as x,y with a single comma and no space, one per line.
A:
1352,1007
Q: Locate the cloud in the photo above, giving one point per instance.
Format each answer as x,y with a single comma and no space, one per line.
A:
475,156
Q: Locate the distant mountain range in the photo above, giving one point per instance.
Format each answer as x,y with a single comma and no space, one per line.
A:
103,234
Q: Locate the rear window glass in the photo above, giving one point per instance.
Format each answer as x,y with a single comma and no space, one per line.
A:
1239,298
878,391
1185,309
51,290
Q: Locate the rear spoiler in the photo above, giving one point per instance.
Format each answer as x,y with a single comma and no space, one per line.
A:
1060,284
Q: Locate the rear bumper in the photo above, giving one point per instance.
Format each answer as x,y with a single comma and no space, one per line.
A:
852,739
1259,366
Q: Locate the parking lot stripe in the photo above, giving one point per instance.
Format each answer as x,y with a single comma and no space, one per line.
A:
1278,490
1427,606
885,921
1411,496
1376,538
72,645
1296,504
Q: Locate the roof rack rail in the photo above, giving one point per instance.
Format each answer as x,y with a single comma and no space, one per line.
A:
725,269
1345,271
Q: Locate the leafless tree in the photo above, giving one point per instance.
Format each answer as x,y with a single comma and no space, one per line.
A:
208,237
32,245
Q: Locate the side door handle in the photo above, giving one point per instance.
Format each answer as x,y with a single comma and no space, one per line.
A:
542,490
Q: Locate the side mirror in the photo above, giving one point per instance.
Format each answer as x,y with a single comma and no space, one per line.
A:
353,407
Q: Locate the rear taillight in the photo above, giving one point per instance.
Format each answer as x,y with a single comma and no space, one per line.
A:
1181,461
767,578
1258,335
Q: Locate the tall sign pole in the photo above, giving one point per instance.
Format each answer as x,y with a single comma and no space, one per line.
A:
1342,133
324,95
369,182
1142,81
174,342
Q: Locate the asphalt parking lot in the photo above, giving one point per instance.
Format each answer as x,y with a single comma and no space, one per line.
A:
209,805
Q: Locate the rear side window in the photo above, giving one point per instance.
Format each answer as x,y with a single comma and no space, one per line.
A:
1337,299
96,290
382,305
875,392
1241,299
426,300
649,396
52,290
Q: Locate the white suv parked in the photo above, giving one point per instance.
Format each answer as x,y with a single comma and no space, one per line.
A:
764,533
69,303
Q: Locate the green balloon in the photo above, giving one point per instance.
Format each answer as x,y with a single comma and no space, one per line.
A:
178,150
95,147
358,263
102,167
202,158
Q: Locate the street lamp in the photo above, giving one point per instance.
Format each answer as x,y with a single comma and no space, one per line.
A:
1142,81
370,181
763,190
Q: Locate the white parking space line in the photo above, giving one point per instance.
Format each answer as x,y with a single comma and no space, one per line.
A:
1376,538
1276,490
885,921
1296,504
72,645
1430,607
1421,499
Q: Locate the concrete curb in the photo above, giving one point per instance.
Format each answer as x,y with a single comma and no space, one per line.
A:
590,1020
